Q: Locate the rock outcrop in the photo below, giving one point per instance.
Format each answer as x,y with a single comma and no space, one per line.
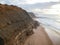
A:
36,23
32,14
15,25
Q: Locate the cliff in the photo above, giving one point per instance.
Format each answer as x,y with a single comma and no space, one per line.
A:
15,25
36,23
32,15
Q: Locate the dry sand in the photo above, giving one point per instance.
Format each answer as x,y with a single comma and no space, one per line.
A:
39,37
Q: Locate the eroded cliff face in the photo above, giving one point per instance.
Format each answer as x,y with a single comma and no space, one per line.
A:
15,25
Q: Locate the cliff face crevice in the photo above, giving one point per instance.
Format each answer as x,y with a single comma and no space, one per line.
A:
15,25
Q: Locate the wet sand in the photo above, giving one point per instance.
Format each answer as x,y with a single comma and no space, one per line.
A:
39,37
54,36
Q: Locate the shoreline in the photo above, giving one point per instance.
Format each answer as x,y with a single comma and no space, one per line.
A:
53,35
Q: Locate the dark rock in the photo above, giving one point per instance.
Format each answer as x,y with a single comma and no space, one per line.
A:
36,24
32,14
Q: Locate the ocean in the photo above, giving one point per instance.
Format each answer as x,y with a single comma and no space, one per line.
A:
50,21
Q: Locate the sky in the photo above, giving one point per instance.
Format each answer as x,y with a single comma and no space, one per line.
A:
38,6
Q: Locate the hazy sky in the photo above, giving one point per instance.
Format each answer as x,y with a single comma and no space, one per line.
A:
44,6
26,1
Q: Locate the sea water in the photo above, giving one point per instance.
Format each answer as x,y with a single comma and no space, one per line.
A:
49,21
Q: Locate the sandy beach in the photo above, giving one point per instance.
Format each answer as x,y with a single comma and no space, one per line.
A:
39,37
